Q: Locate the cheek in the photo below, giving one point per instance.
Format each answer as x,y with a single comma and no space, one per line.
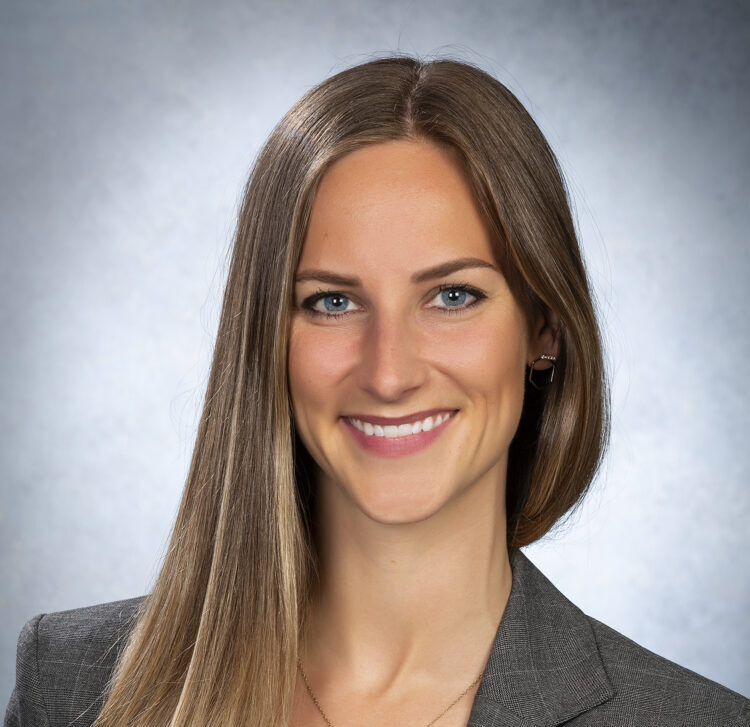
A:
488,358
317,362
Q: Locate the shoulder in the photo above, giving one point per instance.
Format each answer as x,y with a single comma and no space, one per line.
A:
64,662
552,664
659,691
87,635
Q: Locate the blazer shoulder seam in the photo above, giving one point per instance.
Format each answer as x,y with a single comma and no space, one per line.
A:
42,699
738,703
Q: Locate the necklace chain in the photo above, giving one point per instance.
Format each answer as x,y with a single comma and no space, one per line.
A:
431,722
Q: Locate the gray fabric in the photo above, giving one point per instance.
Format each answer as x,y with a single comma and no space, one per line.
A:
549,665
63,664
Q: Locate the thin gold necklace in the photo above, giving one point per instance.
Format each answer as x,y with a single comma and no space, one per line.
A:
431,722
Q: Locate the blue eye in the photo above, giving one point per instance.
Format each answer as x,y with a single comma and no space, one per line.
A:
454,298
334,304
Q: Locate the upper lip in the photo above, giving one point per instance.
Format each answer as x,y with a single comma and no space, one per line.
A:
395,421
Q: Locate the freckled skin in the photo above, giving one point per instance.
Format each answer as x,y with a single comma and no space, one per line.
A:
381,214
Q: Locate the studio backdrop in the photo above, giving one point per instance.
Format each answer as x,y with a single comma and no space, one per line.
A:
128,129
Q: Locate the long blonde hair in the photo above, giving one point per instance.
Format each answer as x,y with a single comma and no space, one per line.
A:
215,643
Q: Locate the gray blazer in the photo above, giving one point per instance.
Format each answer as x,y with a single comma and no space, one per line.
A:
549,665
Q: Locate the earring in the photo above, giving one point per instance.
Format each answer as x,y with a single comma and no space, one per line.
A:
543,357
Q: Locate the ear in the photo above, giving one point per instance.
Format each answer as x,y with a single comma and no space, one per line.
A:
544,338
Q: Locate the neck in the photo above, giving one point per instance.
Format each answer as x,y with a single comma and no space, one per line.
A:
418,598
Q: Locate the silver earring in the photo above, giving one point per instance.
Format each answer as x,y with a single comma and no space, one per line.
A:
543,357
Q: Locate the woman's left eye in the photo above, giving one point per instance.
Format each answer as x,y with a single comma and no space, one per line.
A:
453,298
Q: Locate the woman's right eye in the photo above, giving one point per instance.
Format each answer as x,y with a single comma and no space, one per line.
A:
329,304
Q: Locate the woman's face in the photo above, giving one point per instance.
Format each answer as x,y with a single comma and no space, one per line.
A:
402,319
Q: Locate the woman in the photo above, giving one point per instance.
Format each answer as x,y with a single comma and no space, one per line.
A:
407,387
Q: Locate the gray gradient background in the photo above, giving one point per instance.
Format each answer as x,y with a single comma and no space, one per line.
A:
128,129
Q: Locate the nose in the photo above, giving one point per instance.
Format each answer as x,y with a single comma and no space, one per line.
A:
390,364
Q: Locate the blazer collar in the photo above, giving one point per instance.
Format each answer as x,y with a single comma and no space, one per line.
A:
544,667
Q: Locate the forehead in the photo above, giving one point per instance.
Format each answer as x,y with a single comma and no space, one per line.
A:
395,203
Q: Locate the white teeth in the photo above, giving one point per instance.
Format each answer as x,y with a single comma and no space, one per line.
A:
402,430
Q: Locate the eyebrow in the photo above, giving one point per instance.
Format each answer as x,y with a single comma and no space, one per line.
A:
437,271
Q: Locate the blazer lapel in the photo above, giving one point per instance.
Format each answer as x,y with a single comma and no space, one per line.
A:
544,667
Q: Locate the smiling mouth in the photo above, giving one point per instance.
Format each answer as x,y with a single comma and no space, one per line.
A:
390,431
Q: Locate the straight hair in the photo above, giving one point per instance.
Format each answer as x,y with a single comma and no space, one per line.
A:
216,641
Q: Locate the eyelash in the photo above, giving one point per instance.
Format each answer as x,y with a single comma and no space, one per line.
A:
309,302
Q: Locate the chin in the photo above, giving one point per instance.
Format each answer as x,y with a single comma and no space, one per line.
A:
400,508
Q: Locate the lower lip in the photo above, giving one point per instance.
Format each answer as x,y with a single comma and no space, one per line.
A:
397,446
